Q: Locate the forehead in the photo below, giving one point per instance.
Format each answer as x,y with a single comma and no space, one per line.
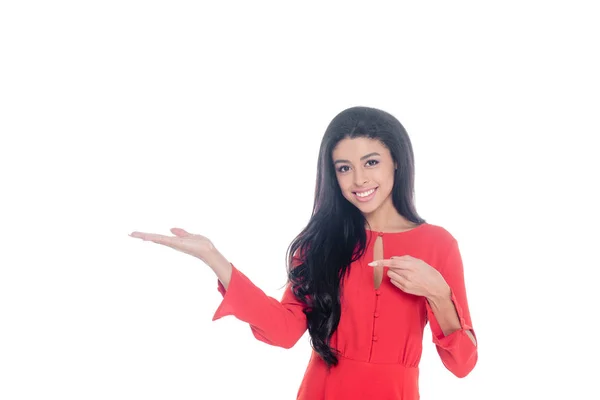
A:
358,147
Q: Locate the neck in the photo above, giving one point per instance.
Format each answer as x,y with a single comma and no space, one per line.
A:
386,219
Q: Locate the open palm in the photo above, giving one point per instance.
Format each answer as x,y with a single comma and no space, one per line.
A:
183,241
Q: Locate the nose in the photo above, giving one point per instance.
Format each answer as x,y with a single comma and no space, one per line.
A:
360,177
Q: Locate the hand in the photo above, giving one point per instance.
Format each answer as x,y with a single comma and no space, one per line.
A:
195,245
414,276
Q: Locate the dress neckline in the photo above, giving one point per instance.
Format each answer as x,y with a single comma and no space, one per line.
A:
380,233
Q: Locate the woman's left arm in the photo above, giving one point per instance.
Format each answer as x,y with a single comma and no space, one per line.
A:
449,317
446,304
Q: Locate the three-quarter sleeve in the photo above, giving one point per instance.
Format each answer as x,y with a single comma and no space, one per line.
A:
457,351
278,323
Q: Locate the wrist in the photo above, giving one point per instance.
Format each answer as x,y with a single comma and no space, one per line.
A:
440,294
214,259
220,266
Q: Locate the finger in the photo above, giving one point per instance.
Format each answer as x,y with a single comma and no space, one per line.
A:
153,237
392,263
180,232
393,275
381,263
400,283
139,235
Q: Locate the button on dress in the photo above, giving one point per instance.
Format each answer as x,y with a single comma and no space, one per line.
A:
380,334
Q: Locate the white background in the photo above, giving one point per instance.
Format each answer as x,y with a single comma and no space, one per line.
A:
119,116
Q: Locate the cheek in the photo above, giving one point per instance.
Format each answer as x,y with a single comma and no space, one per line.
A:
391,176
384,178
386,182
344,183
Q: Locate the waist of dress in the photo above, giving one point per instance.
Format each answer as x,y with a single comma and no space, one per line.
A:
373,364
353,380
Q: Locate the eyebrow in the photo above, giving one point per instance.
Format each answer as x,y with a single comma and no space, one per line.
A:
362,158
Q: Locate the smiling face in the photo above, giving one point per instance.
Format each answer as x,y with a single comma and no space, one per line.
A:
365,172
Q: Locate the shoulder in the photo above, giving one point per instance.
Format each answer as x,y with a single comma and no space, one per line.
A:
443,247
437,234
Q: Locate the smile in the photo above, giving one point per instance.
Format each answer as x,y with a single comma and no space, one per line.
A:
366,195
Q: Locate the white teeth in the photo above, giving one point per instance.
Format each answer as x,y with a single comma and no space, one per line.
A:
365,194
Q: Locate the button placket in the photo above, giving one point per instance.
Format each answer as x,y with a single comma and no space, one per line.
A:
377,293
376,314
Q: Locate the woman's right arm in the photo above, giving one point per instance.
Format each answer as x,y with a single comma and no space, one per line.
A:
278,323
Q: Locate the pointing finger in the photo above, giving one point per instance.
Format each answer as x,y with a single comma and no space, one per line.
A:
382,263
395,262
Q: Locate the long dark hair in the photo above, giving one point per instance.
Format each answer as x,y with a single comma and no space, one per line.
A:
335,236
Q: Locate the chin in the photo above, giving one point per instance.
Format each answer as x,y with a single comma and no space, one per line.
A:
368,211
366,208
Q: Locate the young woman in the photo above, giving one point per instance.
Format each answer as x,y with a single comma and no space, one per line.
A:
365,275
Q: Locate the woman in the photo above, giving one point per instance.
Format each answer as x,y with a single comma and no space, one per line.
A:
365,275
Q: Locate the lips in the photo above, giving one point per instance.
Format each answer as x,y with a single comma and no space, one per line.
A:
365,195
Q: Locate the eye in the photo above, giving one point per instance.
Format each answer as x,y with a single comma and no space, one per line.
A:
340,168
375,162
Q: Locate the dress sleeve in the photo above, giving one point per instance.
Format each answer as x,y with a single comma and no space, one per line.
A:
457,351
278,323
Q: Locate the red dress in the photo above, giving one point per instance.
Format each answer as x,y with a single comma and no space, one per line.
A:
380,333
